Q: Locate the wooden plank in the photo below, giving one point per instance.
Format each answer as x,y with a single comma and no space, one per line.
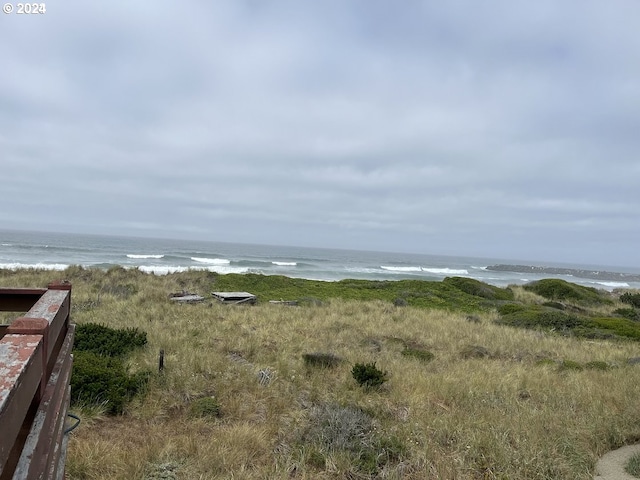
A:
39,454
235,297
53,308
187,299
21,370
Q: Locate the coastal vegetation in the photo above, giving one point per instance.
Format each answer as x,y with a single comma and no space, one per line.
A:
410,379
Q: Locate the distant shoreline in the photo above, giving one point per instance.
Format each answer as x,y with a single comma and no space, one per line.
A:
590,274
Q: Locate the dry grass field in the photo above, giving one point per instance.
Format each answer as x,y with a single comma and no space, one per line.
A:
493,402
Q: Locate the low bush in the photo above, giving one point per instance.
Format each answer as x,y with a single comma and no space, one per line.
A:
570,365
556,289
630,313
632,299
620,327
103,340
543,319
205,407
104,380
597,365
508,308
99,375
479,289
417,353
368,375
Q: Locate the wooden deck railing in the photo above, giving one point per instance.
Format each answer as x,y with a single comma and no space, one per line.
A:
35,371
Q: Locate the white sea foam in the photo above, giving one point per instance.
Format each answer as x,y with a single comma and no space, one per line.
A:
362,270
132,255
211,261
401,269
446,271
162,270
285,264
39,266
7,245
614,284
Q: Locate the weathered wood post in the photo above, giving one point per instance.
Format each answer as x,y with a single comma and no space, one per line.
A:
161,361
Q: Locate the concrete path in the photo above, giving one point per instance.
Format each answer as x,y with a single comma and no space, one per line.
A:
611,466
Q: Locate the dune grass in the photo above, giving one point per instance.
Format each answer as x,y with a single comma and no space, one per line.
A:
516,411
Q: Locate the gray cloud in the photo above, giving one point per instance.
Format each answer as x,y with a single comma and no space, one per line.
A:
501,129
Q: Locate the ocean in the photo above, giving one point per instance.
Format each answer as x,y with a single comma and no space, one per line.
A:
57,251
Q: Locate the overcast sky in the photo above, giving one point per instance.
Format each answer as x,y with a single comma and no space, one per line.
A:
506,129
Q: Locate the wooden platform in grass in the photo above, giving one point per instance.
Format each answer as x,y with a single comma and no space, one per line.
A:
235,297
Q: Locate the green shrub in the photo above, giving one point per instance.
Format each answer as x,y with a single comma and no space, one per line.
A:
103,340
368,375
632,299
205,407
99,374
423,355
508,308
400,302
630,313
544,319
570,365
103,380
323,360
597,365
545,361
620,327
479,289
556,289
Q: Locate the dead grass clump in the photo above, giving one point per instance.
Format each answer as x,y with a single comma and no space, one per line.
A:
335,431
475,351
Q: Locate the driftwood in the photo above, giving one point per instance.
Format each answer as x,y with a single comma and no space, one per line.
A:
186,297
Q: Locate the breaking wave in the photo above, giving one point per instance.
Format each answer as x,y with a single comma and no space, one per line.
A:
133,255
437,271
614,284
34,266
211,261
285,264
401,269
446,271
165,270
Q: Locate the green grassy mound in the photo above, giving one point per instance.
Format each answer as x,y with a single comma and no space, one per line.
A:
556,289
479,289
580,325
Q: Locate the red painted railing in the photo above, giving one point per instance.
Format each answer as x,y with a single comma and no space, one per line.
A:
35,371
